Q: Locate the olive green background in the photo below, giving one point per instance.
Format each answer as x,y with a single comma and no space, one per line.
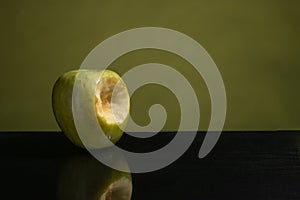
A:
255,44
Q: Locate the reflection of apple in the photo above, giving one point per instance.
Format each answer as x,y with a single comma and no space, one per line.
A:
85,178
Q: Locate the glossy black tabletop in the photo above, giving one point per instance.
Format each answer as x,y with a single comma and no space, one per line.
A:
243,165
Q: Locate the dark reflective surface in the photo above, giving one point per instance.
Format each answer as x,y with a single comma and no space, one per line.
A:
243,165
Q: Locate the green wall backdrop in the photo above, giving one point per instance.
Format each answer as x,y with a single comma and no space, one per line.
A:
255,44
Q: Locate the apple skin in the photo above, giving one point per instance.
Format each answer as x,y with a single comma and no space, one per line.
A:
62,95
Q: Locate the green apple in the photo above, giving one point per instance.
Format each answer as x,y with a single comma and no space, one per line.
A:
97,88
